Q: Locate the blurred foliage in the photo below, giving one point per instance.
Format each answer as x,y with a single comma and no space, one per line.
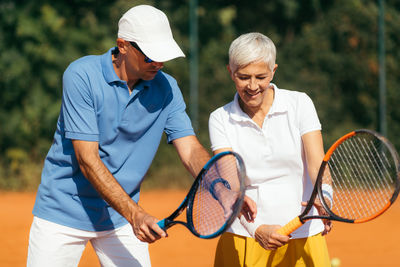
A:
326,48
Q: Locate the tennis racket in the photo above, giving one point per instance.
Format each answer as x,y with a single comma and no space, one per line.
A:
358,180
215,198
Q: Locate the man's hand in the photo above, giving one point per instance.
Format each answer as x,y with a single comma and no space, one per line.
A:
145,227
268,238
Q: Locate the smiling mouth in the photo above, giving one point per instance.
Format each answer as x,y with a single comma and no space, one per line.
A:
252,93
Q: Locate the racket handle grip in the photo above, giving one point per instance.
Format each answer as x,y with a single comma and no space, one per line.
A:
162,224
290,227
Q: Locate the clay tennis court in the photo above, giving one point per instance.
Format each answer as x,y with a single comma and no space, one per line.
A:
374,243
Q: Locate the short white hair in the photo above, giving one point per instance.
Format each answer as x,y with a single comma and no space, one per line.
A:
251,47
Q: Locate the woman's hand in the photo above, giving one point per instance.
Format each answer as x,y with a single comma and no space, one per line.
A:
268,238
249,209
321,211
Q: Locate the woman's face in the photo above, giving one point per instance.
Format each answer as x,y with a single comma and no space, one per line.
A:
252,82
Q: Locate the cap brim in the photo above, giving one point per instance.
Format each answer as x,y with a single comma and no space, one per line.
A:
161,52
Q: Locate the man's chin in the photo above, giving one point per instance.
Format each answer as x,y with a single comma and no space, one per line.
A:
149,76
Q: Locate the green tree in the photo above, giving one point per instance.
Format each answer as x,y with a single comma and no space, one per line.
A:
326,48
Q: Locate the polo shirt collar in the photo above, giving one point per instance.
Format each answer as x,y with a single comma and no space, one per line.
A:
109,72
278,106
108,68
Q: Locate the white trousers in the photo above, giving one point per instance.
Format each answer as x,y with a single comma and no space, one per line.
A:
55,245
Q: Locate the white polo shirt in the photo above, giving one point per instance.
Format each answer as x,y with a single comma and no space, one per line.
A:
277,176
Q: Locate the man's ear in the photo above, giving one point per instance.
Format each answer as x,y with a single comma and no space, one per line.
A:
121,44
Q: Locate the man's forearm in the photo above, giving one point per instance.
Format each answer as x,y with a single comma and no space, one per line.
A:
109,189
199,158
192,154
144,226
102,179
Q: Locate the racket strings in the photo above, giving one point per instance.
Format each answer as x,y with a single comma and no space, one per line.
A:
214,203
364,201
359,164
363,175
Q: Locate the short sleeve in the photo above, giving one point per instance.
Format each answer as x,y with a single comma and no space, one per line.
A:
78,110
217,131
307,115
178,123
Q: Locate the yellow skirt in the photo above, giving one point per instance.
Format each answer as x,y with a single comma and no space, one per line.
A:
234,250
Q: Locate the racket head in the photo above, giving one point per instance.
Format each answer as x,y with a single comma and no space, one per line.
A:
217,198
359,178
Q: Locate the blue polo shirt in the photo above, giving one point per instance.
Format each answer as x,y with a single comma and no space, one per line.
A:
96,106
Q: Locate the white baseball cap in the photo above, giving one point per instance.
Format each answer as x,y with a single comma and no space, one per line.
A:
149,28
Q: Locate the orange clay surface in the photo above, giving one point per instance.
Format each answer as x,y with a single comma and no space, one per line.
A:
374,243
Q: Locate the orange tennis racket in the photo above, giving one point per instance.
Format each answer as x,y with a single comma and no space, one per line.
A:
358,180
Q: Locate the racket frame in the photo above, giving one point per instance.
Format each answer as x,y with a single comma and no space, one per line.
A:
188,201
317,191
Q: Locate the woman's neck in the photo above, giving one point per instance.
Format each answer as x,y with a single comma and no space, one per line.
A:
257,114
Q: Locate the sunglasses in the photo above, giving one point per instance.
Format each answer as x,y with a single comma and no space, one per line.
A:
146,58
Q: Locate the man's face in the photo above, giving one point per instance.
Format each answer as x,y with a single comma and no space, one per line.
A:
137,67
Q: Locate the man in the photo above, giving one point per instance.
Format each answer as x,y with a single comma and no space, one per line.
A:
115,109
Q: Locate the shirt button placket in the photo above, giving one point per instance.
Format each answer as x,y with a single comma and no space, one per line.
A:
267,141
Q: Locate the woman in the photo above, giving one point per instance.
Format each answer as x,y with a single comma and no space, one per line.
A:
278,134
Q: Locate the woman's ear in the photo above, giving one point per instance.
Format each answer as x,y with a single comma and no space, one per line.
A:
273,71
230,71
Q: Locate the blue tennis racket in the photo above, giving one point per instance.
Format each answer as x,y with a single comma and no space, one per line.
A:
215,198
